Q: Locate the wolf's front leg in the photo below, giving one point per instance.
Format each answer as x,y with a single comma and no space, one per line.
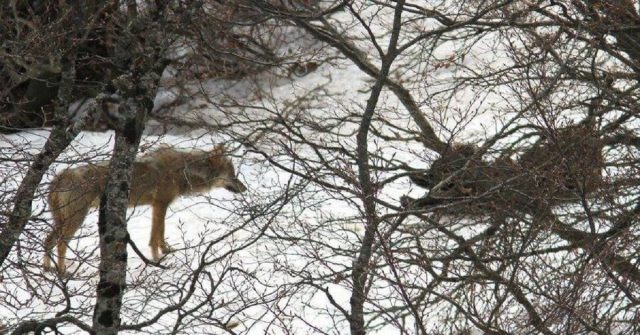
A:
156,241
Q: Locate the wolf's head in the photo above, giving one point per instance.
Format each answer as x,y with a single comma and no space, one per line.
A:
226,173
451,161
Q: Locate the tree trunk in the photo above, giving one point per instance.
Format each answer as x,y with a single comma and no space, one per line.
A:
58,140
60,137
361,265
112,223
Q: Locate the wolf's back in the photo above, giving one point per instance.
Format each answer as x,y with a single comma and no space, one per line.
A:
74,190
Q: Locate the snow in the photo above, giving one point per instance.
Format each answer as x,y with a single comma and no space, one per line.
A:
204,227
192,222
277,243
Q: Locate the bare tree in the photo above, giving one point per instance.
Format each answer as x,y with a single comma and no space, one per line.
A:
104,73
456,167
518,233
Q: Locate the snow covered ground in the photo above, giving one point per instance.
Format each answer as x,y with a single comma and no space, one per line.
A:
194,222
276,254
298,240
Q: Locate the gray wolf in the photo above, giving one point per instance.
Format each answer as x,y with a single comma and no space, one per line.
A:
562,167
158,178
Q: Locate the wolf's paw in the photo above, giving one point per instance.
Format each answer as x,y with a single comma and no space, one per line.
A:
406,201
60,273
166,248
302,69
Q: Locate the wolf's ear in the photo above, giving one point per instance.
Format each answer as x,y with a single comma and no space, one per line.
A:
215,156
218,150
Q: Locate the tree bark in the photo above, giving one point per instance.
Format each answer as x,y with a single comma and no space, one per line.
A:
58,140
361,265
112,222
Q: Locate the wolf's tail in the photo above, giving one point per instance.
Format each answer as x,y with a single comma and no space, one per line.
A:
69,200
56,199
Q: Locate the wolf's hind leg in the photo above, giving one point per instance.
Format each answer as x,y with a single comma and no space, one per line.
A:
49,243
56,237
63,232
53,237
62,251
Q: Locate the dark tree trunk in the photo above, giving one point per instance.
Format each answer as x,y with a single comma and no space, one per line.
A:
61,136
112,223
58,140
361,267
137,92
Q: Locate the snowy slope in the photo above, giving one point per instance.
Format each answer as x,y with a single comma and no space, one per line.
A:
284,229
